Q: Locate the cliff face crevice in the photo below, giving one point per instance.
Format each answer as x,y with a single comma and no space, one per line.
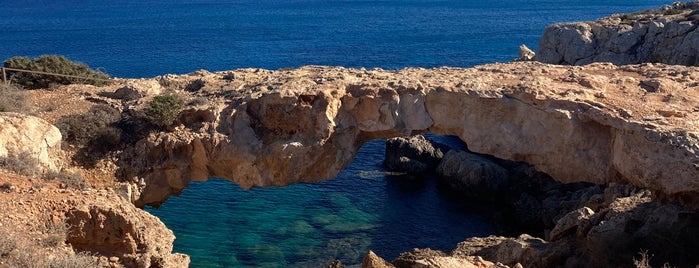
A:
306,125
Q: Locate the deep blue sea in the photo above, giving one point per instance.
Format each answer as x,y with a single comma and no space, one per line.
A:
304,225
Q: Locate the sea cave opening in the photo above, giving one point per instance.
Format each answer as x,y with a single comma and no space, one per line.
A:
365,207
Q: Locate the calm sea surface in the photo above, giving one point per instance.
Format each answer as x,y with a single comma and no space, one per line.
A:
303,225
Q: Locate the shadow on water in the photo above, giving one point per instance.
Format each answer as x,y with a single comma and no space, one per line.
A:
307,225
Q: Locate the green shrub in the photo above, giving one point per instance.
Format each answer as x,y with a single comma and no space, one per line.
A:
52,64
164,110
12,99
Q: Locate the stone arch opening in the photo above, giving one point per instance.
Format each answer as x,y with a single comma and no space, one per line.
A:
363,208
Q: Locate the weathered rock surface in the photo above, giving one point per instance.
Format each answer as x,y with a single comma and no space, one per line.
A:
470,173
427,258
113,227
610,237
264,128
30,140
666,35
371,260
413,155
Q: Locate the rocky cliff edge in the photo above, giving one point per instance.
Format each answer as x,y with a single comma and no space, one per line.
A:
599,123
665,35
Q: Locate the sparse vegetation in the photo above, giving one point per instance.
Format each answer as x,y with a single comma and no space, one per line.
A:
6,187
15,252
195,85
93,125
56,235
24,164
52,64
12,99
164,110
229,76
644,261
68,179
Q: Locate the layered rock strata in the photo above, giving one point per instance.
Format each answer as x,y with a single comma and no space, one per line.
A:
665,35
600,124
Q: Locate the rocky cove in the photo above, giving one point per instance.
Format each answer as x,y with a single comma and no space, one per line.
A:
629,131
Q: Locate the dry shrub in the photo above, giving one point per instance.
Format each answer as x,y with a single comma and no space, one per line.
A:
13,99
24,164
55,235
18,252
84,128
68,179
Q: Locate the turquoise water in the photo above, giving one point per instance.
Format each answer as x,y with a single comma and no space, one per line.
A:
308,225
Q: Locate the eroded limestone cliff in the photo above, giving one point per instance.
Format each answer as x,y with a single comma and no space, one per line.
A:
599,123
665,35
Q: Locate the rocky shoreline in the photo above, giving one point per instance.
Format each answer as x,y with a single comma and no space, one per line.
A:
598,162
546,223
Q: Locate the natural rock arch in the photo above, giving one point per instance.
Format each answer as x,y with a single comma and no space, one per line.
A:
291,130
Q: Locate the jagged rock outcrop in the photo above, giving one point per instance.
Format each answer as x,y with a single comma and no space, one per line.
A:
412,155
611,237
666,35
30,141
576,124
113,227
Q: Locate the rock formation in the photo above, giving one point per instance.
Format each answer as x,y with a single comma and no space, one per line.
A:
114,227
596,124
666,35
30,141
412,155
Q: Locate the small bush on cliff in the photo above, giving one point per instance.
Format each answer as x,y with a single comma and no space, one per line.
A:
96,123
12,99
52,64
164,110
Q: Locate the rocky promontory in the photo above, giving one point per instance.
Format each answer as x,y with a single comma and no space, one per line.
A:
666,35
600,123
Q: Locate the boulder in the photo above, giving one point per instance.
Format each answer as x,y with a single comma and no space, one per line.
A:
30,141
371,260
413,155
525,53
136,89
